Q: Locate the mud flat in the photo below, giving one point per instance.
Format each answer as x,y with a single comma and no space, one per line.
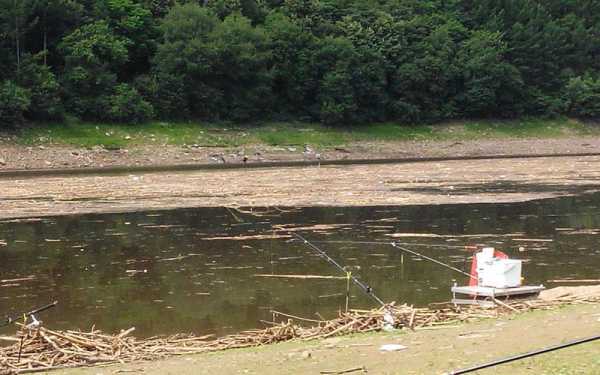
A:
456,181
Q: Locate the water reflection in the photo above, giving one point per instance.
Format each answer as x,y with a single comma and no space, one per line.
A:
160,272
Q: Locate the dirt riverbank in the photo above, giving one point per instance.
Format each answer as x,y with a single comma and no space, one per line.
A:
14,156
427,352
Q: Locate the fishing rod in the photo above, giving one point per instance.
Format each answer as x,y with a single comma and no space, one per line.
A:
524,355
10,320
367,289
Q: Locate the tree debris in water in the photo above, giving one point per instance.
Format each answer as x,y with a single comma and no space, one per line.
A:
245,238
300,276
39,349
28,278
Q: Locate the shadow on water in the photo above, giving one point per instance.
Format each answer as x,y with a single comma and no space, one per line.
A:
165,272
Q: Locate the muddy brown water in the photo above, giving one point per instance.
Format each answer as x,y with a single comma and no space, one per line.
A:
164,272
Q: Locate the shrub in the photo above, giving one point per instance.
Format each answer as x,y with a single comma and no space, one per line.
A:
46,103
14,101
166,93
127,105
582,96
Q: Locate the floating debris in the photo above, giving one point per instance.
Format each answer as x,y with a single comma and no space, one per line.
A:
244,238
41,349
301,276
28,278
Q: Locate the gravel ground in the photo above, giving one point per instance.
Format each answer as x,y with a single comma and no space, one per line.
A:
14,156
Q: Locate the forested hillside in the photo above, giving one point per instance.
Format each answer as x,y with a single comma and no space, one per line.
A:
333,61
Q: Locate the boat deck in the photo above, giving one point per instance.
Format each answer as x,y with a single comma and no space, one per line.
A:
484,296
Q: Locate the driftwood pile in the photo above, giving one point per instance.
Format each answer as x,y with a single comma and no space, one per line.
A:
40,349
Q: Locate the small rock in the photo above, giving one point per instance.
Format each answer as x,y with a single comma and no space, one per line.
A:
47,162
127,137
2,161
306,354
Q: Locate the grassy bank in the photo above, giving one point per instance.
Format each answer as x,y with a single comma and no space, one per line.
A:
428,352
277,134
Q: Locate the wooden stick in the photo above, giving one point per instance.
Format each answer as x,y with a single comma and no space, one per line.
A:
498,302
296,317
354,369
300,276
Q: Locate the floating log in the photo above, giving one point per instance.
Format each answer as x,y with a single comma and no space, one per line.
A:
28,278
300,276
245,238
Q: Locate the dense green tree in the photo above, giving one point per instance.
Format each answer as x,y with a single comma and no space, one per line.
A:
224,64
582,96
293,52
44,89
132,22
93,55
424,80
14,101
491,85
335,61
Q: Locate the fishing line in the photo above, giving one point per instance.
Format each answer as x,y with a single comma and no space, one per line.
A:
397,246
432,260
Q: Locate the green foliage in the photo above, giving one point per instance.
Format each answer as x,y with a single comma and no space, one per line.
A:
44,90
292,66
223,8
131,21
351,82
491,85
166,93
583,96
224,65
127,105
332,61
14,101
93,53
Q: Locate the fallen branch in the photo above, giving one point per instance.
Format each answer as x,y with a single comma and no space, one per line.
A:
354,369
43,349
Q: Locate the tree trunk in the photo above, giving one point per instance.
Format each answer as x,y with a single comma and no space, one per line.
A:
46,35
17,46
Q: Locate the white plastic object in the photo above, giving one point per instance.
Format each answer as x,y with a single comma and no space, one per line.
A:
391,347
500,273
